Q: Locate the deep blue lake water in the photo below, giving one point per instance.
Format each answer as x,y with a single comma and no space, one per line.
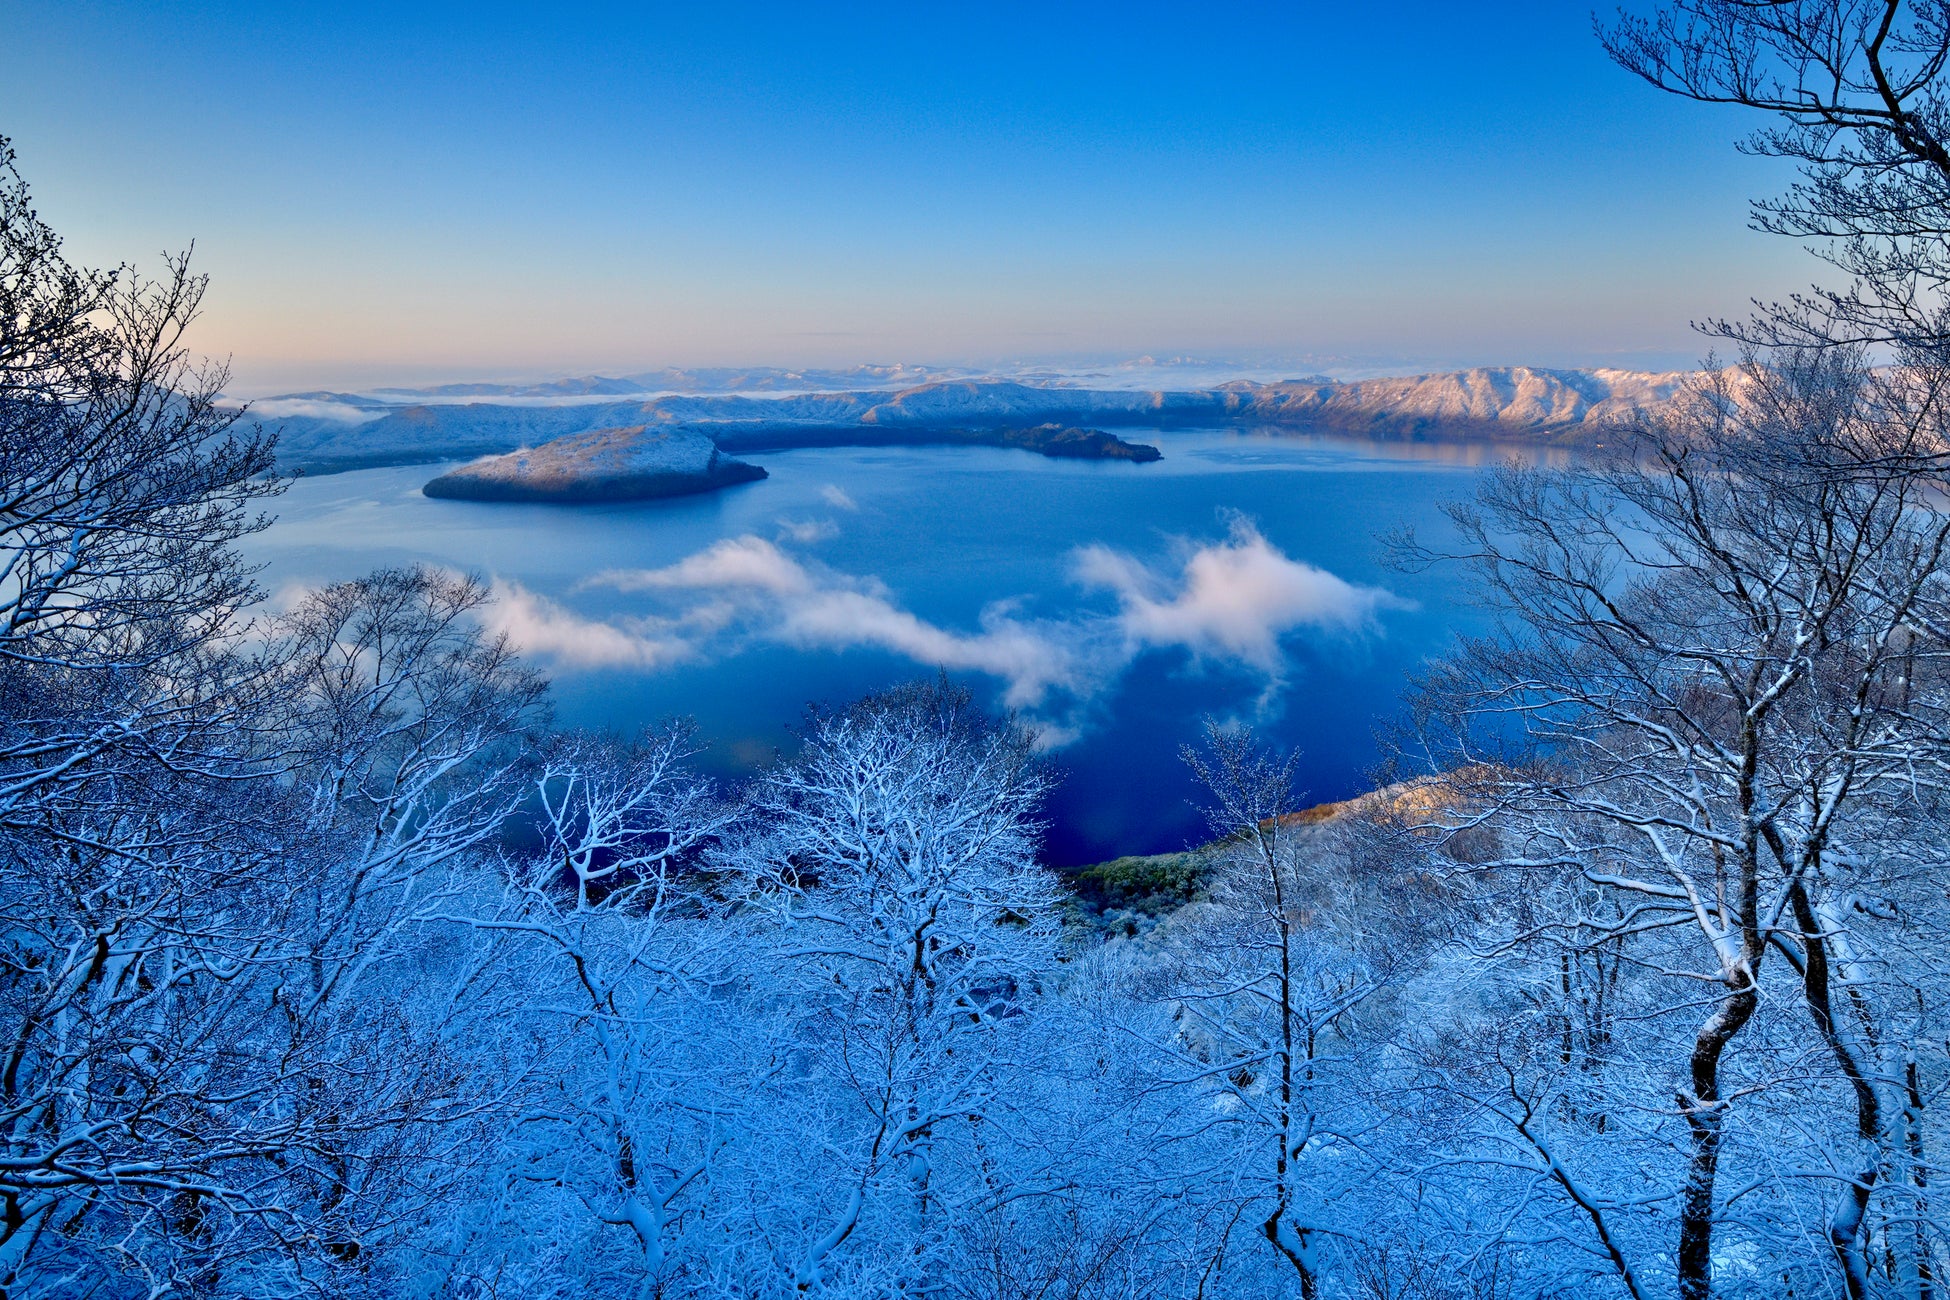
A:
1114,605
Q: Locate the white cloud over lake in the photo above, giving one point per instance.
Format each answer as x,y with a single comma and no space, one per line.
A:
544,628
734,564
773,596
805,532
1235,602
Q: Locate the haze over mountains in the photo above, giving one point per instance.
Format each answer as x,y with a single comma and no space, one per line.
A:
753,409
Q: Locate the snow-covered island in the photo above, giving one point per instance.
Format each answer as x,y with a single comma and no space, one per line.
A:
628,464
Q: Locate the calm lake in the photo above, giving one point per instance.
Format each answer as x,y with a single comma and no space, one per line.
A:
1114,605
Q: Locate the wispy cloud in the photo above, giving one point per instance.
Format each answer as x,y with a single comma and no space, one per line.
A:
544,628
735,564
285,408
1234,601
782,599
835,496
806,532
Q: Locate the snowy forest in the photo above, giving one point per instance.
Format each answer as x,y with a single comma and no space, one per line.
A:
329,967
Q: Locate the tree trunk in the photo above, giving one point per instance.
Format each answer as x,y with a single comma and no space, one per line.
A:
1924,1282
1705,1116
1851,1209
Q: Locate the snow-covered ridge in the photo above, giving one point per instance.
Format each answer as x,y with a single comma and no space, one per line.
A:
1516,397
1511,402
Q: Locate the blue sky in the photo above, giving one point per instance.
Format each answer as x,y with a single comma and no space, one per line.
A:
399,192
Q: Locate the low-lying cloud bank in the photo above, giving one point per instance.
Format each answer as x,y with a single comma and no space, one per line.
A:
1233,603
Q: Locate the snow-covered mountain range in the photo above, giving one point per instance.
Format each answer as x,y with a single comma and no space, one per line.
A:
322,431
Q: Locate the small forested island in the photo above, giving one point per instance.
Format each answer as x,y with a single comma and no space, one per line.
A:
631,464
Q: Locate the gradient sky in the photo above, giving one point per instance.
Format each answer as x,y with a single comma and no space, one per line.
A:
400,192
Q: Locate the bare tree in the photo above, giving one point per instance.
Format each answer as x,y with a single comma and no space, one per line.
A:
1856,90
915,930
192,1088
1713,690
1265,994
121,482
618,972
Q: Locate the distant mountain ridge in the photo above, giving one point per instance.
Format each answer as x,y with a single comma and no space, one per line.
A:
1500,400
1515,403
672,379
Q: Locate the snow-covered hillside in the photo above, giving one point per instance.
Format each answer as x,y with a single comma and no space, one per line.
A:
325,431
